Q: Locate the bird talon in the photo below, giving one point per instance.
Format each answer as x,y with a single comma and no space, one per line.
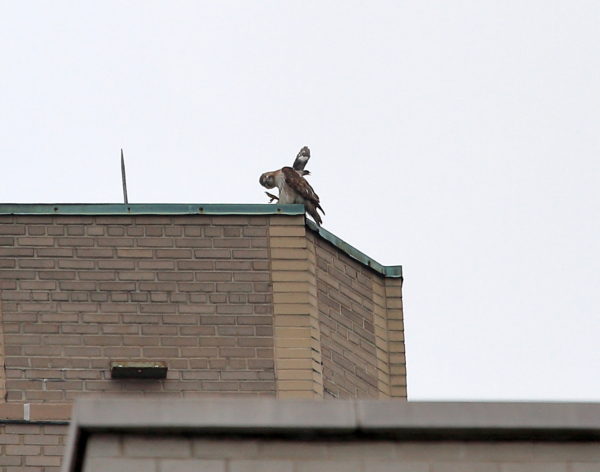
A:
272,197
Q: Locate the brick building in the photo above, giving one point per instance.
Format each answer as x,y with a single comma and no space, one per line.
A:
242,301
233,299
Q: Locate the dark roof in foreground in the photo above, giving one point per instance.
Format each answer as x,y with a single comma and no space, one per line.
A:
334,419
107,209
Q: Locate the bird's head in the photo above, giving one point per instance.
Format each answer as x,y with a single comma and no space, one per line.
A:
267,180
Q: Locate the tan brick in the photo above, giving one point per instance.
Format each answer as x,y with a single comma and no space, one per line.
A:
43,461
10,439
75,230
55,429
395,325
36,264
297,343
392,291
22,429
196,287
17,274
287,276
54,450
291,309
234,287
232,243
290,265
250,254
75,242
174,253
292,364
286,220
289,253
12,229
292,332
11,461
10,411
398,392
302,320
293,286
394,303
287,231
13,450
57,275
303,374
292,353
288,242
50,412
237,352
42,241
291,298
135,253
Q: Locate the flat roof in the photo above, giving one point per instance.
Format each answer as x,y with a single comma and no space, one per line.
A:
396,418
252,209
335,419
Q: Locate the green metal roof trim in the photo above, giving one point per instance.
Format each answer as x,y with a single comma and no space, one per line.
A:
148,209
194,209
388,271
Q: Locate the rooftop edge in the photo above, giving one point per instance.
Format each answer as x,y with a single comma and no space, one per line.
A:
149,209
106,209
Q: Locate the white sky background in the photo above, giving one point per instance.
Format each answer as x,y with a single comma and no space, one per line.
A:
457,138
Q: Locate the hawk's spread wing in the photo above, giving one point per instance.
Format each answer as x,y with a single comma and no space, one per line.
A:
299,185
301,159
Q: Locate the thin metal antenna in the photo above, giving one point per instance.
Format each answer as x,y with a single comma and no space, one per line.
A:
124,178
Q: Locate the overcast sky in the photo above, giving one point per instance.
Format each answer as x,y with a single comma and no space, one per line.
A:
457,138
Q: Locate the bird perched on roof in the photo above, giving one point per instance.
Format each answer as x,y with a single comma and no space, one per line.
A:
293,187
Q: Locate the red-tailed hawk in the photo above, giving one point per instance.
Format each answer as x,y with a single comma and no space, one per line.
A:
293,187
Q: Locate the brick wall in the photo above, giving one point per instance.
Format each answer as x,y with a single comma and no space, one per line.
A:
297,331
121,453
78,292
235,305
354,327
31,447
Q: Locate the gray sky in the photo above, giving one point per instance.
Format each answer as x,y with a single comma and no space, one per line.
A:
457,138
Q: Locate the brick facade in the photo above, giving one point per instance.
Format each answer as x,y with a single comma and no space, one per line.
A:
362,331
31,447
82,291
234,304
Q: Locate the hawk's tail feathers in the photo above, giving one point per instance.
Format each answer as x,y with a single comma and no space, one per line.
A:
311,208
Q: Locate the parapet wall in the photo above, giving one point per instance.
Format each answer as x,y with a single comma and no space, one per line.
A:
245,303
362,331
236,300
